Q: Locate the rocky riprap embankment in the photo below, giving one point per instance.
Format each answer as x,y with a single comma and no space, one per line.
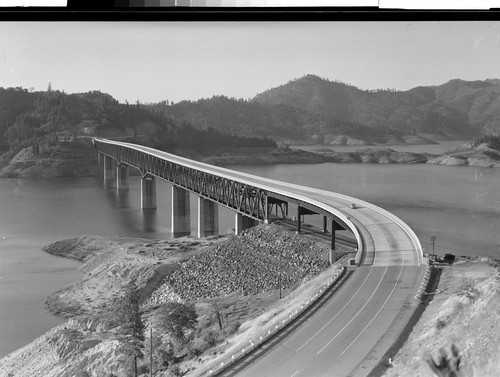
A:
248,264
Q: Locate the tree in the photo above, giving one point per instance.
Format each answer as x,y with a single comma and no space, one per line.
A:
133,327
176,318
217,312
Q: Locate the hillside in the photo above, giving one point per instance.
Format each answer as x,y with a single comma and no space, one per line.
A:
338,105
45,119
462,310
309,109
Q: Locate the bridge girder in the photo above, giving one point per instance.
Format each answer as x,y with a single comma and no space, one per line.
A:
242,198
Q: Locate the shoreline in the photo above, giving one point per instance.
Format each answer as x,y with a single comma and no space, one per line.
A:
78,160
107,263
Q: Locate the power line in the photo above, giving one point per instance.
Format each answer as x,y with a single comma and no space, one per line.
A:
438,246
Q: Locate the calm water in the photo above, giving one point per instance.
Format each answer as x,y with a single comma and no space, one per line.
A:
459,205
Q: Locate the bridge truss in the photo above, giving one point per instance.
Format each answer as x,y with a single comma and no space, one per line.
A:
240,197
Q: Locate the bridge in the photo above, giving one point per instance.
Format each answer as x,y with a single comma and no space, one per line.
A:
355,328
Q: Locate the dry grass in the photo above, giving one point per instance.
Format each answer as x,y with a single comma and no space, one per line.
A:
465,311
260,314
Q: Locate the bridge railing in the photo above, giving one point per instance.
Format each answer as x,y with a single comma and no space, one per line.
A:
406,228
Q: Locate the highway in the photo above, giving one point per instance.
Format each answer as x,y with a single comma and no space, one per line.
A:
356,327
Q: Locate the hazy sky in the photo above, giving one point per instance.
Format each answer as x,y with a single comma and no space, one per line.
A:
192,60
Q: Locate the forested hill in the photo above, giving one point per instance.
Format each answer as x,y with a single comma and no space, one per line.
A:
27,118
321,110
305,109
457,106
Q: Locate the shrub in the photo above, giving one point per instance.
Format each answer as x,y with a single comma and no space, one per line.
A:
231,328
143,369
198,346
467,287
175,371
176,319
440,323
449,258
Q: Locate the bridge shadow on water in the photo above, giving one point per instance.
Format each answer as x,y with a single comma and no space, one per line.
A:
133,219
276,340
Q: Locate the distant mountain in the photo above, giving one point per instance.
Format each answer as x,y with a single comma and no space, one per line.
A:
408,112
479,100
318,110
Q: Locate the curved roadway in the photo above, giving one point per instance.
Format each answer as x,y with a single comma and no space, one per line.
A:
353,330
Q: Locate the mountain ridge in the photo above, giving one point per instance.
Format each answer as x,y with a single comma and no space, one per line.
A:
308,109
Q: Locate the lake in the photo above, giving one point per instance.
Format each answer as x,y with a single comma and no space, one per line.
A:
459,205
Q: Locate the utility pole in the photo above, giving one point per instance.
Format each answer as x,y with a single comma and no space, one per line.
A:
280,275
151,351
433,241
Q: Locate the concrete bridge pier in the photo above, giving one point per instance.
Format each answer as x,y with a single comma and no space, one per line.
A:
148,192
335,227
208,218
181,219
122,177
242,222
109,172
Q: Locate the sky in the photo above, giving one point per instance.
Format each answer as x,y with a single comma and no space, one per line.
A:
155,61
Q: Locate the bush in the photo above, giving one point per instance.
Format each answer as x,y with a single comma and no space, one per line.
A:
143,369
198,346
449,258
175,371
176,319
440,323
467,287
231,328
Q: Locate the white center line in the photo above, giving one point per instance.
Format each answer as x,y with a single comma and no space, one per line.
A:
388,297
359,311
340,311
295,373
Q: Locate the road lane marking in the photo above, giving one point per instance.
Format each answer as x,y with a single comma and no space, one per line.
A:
375,316
330,321
295,373
359,311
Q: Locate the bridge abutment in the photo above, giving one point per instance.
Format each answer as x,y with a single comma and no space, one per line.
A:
122,177
148,192
109,172
208,218
181,219
242,222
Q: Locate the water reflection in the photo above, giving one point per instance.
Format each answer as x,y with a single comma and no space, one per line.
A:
118,198
149,220
123,198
